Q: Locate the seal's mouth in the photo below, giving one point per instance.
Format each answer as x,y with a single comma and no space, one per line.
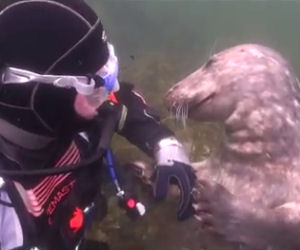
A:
192,109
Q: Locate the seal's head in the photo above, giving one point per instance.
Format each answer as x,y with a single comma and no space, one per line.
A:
244,72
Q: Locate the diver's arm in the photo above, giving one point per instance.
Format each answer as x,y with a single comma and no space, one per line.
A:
143,128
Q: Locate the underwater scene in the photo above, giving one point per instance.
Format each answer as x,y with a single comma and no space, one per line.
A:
158,43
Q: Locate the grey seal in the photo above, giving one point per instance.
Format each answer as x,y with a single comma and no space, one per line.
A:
249,192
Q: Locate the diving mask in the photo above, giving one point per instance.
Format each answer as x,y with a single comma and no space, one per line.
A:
104,81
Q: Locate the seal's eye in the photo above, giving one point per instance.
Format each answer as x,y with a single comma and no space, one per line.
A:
209,63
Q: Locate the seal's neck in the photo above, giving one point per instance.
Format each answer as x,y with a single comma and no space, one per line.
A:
264,134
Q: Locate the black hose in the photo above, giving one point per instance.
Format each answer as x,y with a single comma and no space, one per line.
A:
51,171
109,127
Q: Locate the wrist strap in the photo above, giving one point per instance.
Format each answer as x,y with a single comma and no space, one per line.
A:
169,150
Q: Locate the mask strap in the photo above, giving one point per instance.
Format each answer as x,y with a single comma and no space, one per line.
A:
83,84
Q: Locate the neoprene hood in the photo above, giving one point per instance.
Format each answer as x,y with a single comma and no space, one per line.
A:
53,37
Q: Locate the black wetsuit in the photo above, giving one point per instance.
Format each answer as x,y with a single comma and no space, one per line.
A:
39,129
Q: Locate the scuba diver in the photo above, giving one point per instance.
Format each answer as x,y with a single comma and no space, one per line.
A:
59,88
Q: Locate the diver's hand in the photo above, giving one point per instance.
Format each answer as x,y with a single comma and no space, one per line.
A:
180,174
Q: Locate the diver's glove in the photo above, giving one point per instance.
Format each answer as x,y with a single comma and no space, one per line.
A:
173,167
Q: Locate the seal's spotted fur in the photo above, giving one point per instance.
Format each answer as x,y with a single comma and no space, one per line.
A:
250,191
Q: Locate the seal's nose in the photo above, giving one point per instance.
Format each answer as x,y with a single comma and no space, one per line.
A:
174,88
170,92
168,99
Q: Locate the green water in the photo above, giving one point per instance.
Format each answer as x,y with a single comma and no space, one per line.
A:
159,42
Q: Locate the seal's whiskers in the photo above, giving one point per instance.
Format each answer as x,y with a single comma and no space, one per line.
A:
181,113
213,48
184,114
